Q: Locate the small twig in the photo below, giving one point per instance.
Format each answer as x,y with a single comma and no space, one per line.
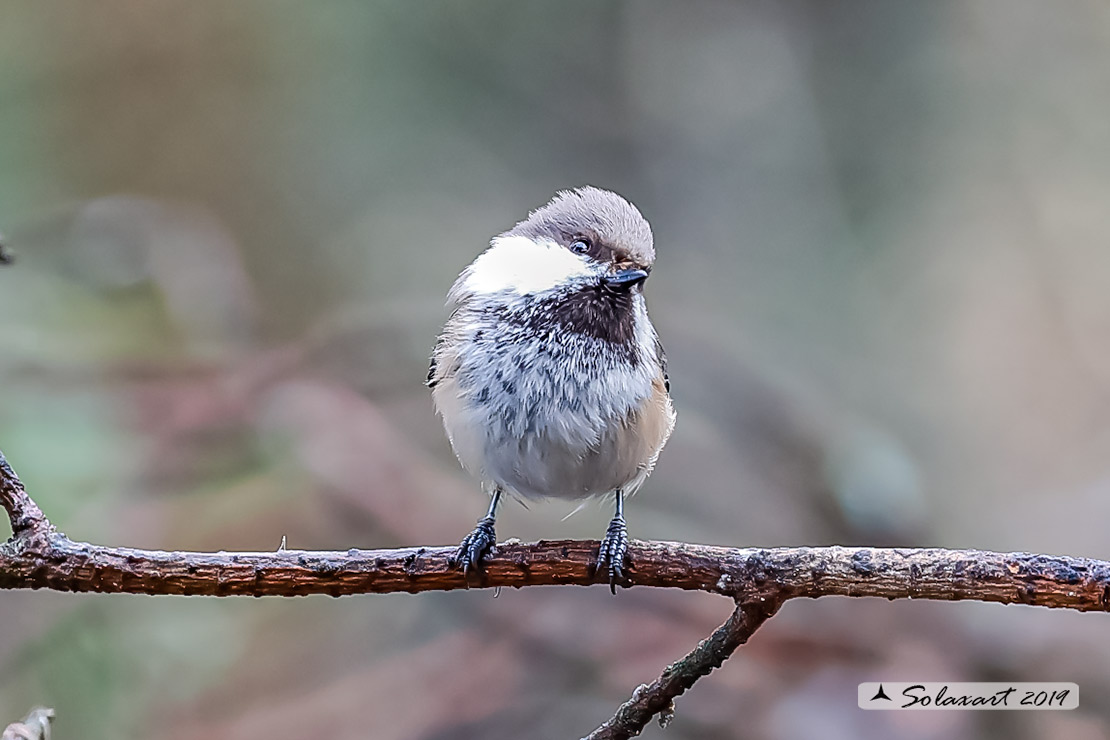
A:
657,698
35,726
25,515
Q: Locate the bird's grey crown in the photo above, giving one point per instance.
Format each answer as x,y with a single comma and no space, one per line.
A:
616,229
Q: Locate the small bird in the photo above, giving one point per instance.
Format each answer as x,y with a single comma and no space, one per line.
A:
548,375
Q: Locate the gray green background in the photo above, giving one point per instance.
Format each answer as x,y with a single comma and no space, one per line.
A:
884,257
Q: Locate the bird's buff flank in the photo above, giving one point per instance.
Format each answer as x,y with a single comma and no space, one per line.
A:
549,376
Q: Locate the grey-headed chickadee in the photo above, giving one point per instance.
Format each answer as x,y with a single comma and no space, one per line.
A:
549,376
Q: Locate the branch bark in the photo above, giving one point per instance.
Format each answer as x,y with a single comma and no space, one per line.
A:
657,698
758,579
48,559
26,517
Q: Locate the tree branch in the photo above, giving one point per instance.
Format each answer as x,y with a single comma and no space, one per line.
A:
657,698
26,517
758,579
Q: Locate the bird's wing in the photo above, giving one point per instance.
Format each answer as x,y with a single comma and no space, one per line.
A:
432,379
444,362
661,358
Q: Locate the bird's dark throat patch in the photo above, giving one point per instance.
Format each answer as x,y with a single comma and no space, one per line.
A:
597,311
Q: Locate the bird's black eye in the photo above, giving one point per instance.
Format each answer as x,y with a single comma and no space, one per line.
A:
580,246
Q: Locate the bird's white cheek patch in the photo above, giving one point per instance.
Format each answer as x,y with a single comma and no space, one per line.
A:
521,265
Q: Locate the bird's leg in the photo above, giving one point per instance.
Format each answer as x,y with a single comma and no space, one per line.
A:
614,548
476,544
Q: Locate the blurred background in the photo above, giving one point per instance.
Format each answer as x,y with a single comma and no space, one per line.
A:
882,283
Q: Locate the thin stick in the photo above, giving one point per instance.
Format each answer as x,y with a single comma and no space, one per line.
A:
657,698
23,513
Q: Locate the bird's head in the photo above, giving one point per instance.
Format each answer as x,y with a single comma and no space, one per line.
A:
584,241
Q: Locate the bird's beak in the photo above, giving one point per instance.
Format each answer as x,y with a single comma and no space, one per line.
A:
625,279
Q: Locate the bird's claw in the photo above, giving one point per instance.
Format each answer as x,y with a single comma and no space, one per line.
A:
613,551
475,546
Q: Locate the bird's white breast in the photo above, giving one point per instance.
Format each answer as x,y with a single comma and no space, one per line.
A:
544,411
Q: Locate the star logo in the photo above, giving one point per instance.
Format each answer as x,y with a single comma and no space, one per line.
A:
880,694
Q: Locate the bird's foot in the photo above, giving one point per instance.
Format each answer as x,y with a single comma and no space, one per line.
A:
475,546
614,550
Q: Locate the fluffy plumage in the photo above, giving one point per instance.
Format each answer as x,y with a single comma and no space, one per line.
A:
548,375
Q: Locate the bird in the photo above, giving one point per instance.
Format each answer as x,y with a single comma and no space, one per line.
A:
548,375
